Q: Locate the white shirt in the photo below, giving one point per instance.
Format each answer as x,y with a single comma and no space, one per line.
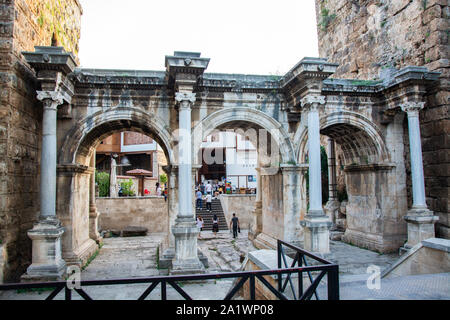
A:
158,191
208,188
208,198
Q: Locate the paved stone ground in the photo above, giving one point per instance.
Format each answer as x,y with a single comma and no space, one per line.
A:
136,257
415,287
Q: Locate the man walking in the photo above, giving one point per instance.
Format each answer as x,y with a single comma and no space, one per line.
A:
235,224
199,204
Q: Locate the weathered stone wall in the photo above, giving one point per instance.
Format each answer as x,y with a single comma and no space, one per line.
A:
367,37
23,25
242,204
118,213
38,22
273,219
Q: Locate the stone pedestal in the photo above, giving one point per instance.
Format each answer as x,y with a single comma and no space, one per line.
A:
420,226
48,264
316,234
186,260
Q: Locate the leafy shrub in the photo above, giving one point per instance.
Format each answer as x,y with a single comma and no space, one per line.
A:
102,180
127,190
163,178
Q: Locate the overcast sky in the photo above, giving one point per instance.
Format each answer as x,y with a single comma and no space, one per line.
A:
240,36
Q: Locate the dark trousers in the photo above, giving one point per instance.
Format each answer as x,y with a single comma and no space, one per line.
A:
208,206
235,232
199,203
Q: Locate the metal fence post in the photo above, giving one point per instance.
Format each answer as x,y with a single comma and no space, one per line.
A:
333,283
280,276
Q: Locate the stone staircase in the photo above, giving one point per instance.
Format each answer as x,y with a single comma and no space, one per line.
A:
216,208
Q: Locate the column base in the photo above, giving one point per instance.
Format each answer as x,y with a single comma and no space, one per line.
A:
316,232
420,224
47,263
93,226
186,260
256,228
331,208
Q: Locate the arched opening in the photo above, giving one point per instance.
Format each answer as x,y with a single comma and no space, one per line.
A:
362,196
266,214
77,171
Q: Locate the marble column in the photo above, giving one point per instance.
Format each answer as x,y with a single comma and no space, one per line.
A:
332,170
419,219
316,223
185,231
332,206
47,263
93,213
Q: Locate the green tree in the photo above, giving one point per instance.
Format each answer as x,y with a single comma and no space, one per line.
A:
127,190
102,180
163,178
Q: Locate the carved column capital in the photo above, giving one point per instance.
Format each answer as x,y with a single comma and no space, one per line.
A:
186,99
51,99
412,108
312,102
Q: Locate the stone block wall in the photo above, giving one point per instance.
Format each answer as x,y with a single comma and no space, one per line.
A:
38,22
367,37
242,204
118,213
23,25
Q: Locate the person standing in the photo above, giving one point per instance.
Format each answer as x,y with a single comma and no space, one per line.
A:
199,204
208,187
199,225
234,223
215,227
158,189
208,201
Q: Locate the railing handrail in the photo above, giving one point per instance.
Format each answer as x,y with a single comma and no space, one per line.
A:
329,268
191,277
306,253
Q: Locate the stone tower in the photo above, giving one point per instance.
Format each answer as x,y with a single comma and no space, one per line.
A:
25,24
368,38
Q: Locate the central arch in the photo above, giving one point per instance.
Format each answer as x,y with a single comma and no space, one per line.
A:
374,205
243,117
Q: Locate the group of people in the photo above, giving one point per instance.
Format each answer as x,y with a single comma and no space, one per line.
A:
234,225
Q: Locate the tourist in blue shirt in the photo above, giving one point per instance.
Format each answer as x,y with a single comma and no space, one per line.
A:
199,203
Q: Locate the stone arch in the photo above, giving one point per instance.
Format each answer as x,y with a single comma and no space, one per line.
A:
359,137
243,118
86,132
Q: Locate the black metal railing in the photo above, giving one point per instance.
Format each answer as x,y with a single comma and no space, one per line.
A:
299,258
241,278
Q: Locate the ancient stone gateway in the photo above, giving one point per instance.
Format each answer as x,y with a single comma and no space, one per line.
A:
284,116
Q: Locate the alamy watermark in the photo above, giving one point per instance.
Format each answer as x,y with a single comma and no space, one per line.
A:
374,280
